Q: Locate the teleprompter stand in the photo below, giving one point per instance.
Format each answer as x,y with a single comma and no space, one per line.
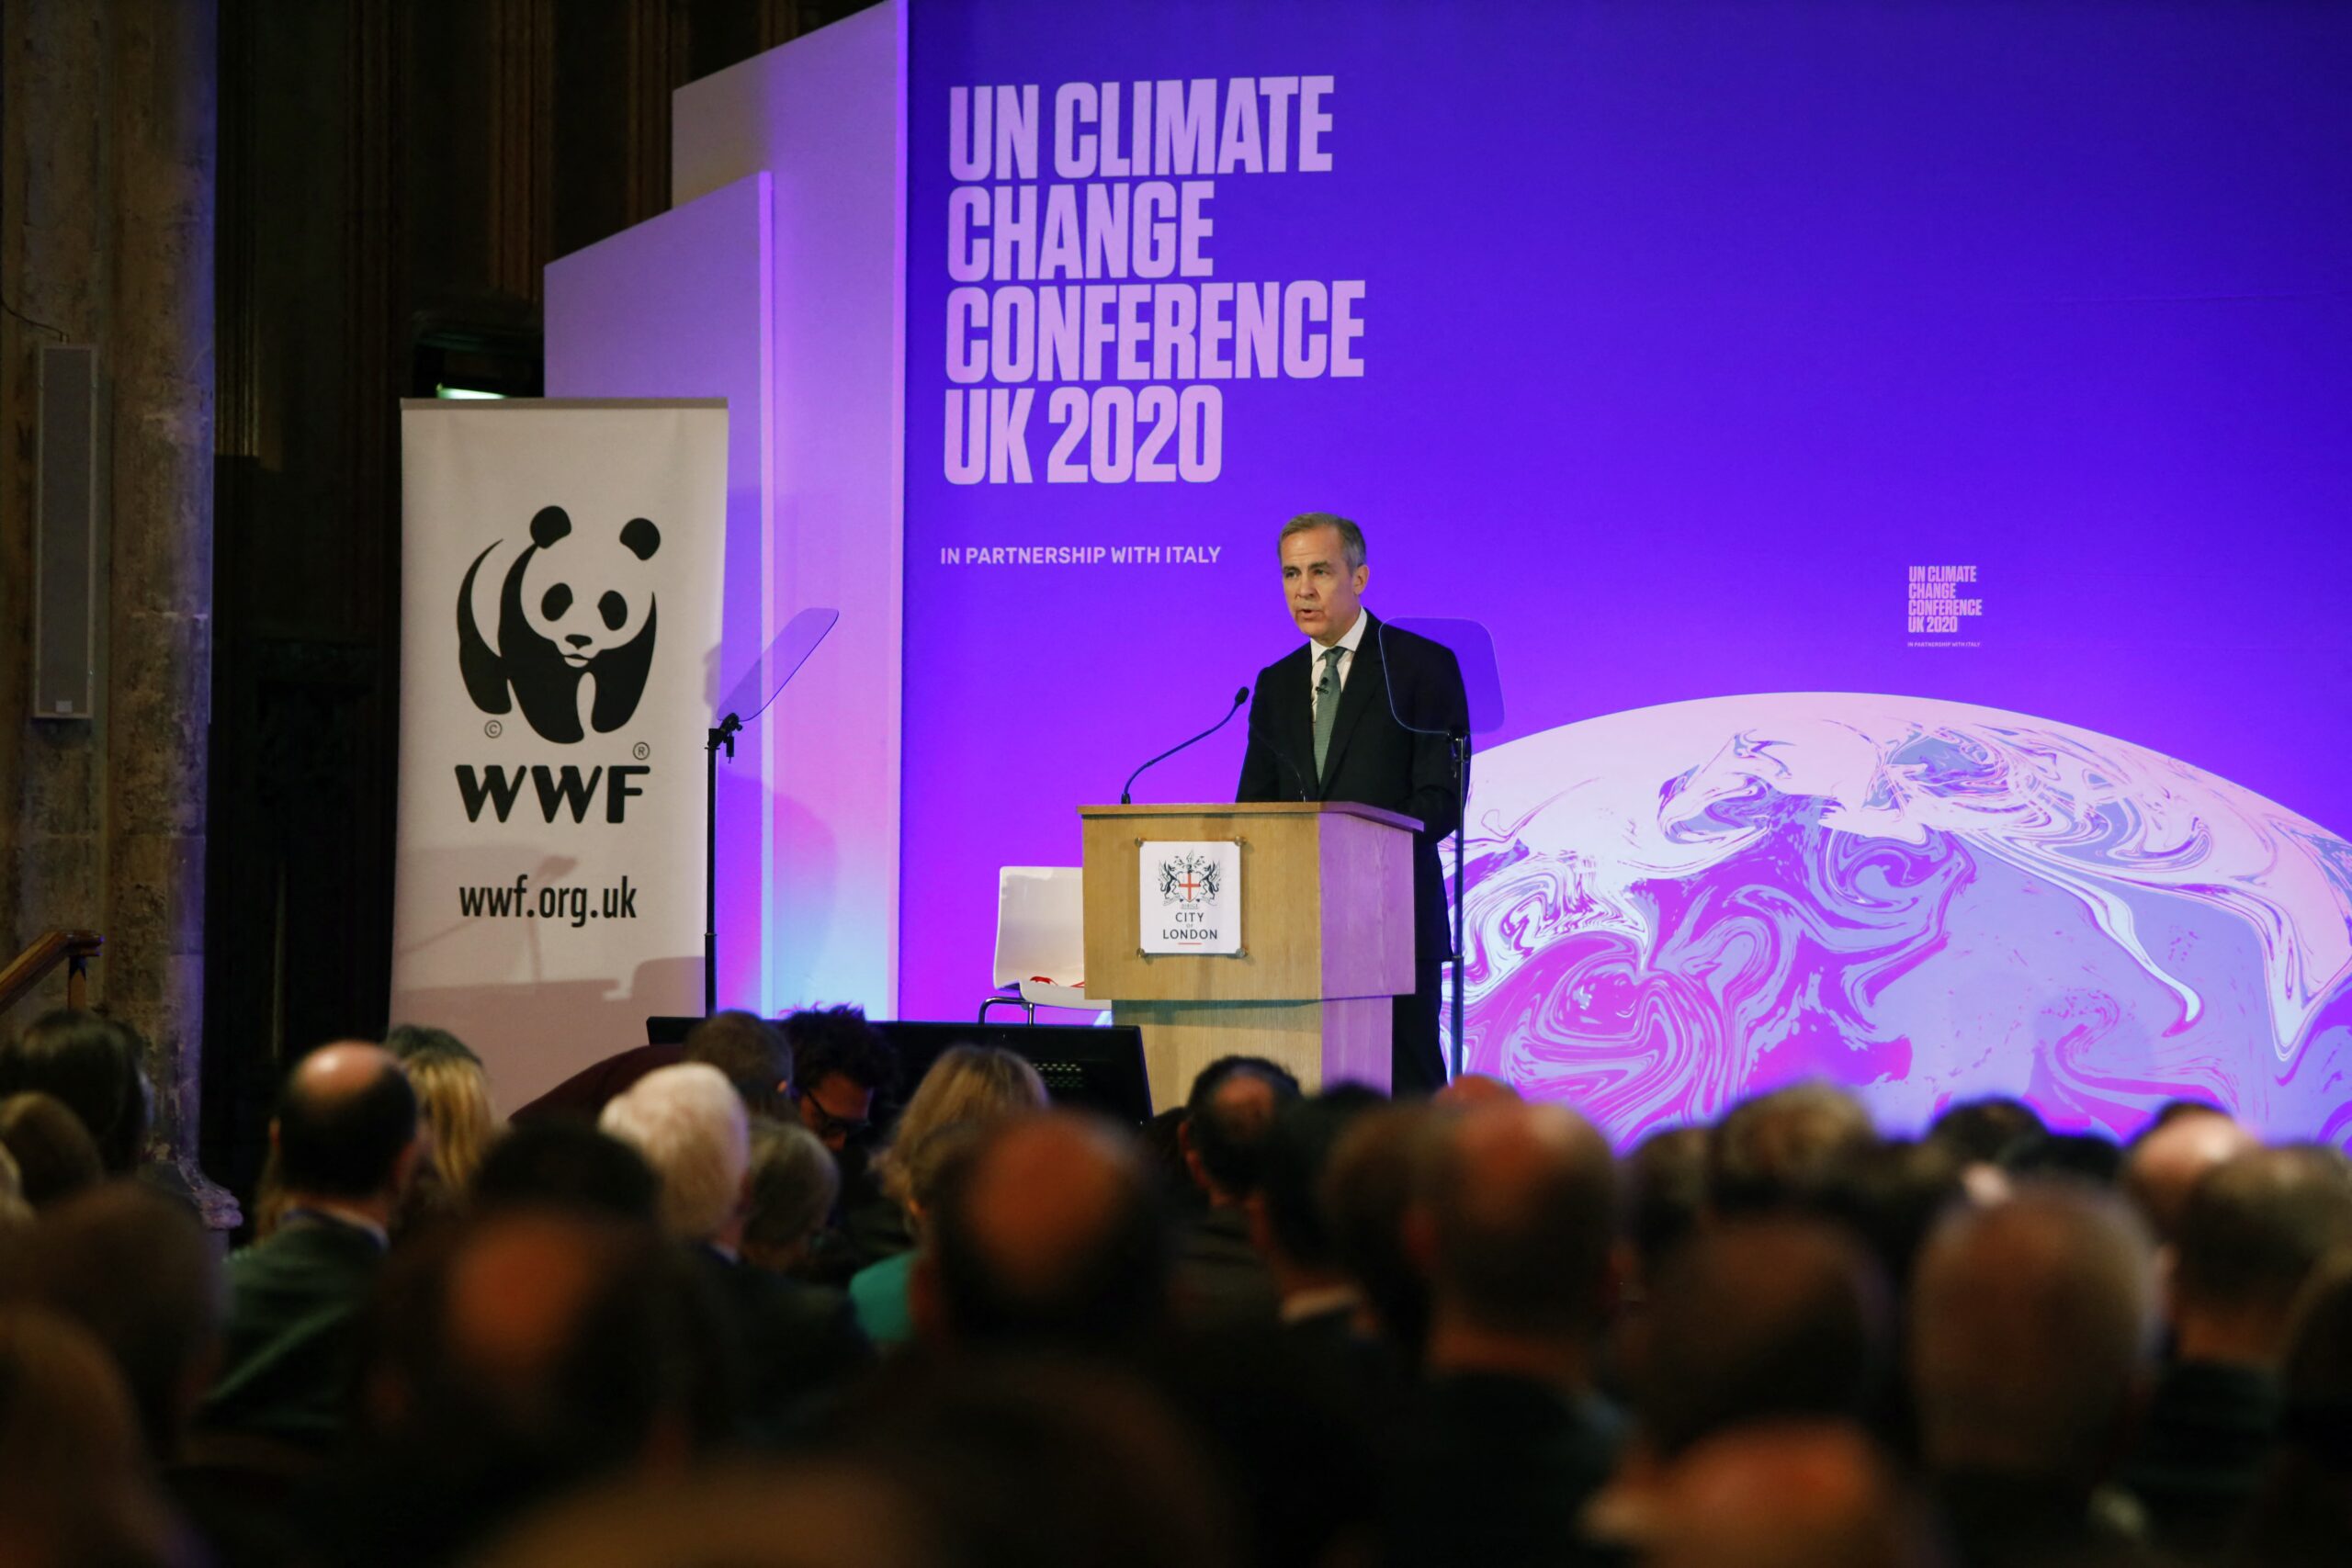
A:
750,699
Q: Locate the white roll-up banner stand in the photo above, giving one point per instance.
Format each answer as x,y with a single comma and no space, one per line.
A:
560,590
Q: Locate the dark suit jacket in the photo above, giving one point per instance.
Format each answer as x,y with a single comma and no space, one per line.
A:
1220,1280
1373,759
2202,1450
799,1342
1496,1471
287,1351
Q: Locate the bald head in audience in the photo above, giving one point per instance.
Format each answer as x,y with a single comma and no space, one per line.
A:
559,1333
2032,1325
813,1514
1476,1089
1514,1218
1053,1232
1801,1495
346,1129
2170,1157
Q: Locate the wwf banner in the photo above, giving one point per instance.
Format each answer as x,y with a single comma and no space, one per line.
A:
560,577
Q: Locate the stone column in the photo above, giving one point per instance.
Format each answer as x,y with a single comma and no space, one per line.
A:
163,77
55,266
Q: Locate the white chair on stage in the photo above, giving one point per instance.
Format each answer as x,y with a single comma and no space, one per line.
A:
1041,941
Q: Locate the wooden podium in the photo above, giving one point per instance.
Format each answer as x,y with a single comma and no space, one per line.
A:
1327,935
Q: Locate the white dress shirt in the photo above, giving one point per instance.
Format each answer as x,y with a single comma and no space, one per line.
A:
1315,651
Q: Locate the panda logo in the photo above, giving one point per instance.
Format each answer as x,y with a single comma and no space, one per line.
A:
572,609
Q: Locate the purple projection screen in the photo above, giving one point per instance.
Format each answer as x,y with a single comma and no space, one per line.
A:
1904,455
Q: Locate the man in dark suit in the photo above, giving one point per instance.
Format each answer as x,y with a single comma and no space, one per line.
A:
1361,714
1513,1220
1220,1277
346,1142
798,1341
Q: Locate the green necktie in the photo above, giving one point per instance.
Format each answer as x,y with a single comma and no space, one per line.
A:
1326,706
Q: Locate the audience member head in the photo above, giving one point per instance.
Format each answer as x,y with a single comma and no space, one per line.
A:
751,1052
2304,1511
1760,1319
1776,1150
453,1091
346,1127
1227,1118
73,1479
1665,1193
1366,1190
1514,1220
559,1163
2252,1229
2167,1159
814,1512
978,1084
136,1269
1476,1089
569,1327
2092,1157
1163,1146
793,1184
1051,1232
408,1041
1289,1225
840,1063
1982,1131
688,1123
1892,1194
2031,1328
1031,1460
91,1064
1813,1494
55,1155
524,1354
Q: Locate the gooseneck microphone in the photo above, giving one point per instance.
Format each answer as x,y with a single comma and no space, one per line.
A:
1281,754
1239,698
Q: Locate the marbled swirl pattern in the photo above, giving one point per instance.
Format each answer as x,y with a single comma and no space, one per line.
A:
1673,906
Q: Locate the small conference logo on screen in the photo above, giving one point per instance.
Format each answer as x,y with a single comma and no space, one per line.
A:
1942,605
573,636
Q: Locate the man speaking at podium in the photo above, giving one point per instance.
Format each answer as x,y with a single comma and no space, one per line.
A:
1361,712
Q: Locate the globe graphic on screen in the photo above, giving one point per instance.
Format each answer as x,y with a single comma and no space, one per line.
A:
1676,907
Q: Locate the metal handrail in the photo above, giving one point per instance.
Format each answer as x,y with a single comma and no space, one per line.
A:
31,967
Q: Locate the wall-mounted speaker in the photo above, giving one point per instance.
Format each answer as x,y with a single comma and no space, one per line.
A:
65,533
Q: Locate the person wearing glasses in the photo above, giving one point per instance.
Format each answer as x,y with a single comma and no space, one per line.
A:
840,1064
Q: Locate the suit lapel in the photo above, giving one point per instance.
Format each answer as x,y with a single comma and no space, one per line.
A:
1364,672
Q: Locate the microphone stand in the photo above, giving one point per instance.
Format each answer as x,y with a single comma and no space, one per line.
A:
1239,698
721,733
1459,746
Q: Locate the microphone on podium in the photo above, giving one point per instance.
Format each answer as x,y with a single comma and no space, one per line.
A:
1239,698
